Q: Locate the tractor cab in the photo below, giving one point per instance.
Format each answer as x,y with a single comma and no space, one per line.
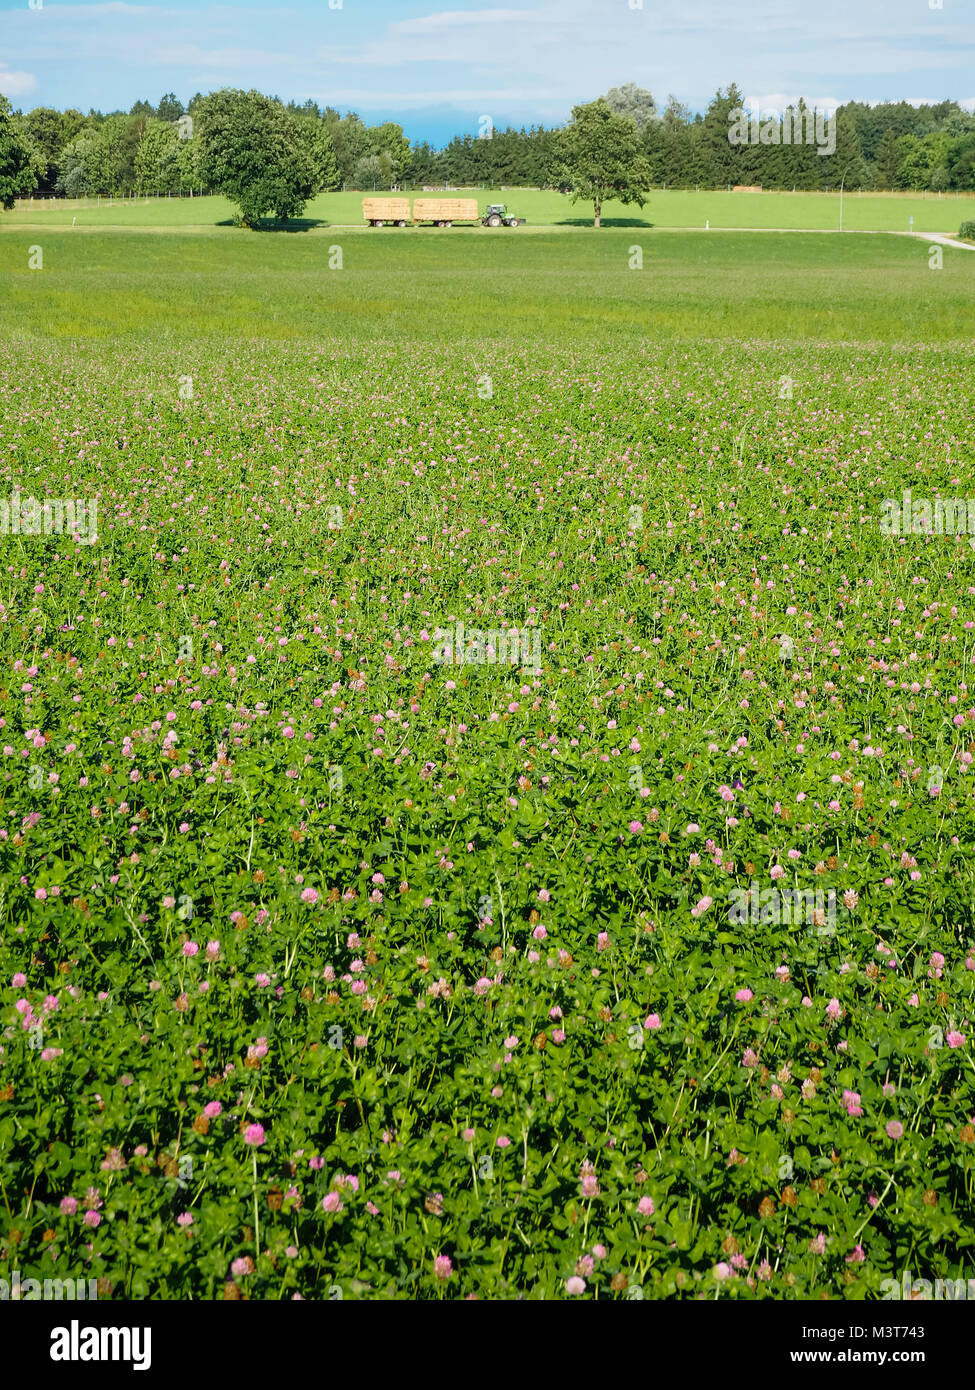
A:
497,215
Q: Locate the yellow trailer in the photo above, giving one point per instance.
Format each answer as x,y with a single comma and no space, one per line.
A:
443,212
378,211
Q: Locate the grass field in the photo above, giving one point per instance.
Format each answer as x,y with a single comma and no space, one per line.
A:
814,211
330,968
187,288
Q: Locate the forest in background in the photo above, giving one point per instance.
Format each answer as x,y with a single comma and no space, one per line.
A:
151,149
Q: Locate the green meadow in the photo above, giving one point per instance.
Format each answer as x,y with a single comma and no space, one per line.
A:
664,209
581,287
335,965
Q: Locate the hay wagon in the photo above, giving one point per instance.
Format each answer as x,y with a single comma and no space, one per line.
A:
444,212
378,211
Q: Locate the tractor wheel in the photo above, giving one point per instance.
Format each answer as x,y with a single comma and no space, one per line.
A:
514,222
494,220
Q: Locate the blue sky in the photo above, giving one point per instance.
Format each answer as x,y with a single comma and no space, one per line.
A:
439,68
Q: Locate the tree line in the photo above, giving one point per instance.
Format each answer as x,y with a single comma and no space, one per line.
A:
296,150
894,146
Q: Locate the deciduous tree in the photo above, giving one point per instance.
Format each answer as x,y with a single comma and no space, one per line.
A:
252,150
18,172
598,157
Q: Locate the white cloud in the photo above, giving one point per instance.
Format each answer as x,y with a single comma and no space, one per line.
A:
503,38
16,84
191,55
780,101
466,19
109,7
533,59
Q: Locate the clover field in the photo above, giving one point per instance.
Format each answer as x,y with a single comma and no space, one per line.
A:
330,970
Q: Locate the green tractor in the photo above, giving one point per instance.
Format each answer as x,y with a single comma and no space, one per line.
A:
496,215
